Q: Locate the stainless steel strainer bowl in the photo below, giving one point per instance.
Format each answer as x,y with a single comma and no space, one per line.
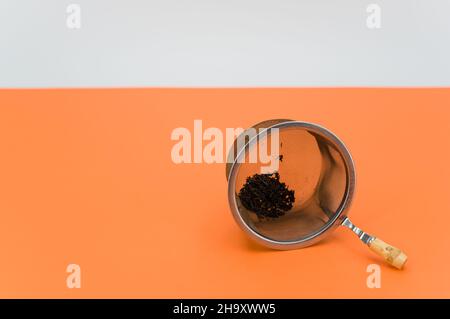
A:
319,168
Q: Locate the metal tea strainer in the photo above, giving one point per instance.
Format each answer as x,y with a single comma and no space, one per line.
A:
318,167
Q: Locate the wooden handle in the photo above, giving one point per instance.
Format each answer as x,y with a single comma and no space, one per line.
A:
391,255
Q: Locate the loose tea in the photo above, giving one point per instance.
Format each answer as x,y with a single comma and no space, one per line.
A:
265,195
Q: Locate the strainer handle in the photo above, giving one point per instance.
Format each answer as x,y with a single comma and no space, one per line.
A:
391,254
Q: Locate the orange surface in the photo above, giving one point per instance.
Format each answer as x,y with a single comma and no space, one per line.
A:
86,177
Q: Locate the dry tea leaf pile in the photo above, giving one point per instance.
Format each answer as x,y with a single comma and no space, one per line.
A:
265,195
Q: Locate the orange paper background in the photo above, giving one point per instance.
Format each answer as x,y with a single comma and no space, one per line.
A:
86,177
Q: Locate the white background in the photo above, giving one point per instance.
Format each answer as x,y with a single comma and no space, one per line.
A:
237,43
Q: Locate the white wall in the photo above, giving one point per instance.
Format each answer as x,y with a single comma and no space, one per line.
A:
224,43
